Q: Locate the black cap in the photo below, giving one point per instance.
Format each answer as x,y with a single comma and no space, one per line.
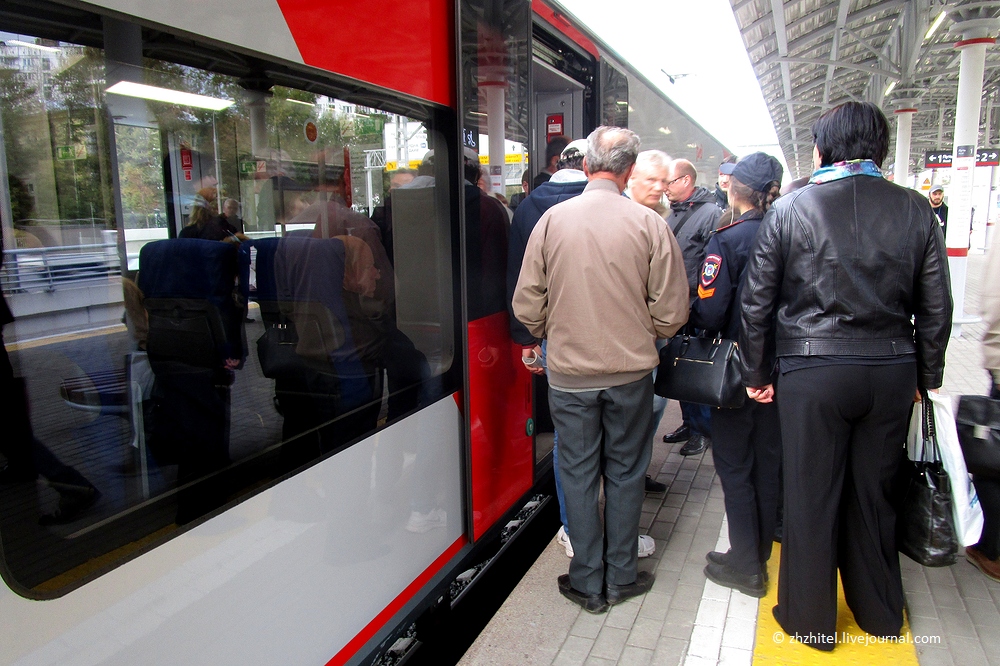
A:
757,171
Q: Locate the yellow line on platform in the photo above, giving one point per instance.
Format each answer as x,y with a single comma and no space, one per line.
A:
68,337
773,646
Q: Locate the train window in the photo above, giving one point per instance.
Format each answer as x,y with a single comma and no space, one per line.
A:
614,96
216,282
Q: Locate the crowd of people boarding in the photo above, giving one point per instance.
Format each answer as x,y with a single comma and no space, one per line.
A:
838,294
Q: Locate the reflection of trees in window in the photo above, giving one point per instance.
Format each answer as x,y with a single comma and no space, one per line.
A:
141,176
78,130
18,103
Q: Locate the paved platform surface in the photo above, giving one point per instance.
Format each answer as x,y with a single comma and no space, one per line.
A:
686,619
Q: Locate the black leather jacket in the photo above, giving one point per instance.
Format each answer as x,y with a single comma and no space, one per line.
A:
839,269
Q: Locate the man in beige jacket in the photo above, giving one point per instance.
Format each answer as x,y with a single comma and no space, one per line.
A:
602,279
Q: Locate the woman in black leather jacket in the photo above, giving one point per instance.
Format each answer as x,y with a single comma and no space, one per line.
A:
838,270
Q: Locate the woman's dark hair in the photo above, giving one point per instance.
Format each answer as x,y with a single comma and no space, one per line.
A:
760,201
852,131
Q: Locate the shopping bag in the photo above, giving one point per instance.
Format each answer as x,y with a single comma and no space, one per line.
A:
925,530
968,514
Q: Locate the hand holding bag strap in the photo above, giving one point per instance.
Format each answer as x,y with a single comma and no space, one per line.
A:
929,430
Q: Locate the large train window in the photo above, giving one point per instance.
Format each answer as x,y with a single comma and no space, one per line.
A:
614,96
217,281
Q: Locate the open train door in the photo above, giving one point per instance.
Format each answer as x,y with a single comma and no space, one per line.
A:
564,68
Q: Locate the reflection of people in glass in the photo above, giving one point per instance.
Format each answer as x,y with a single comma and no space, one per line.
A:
26,456
327,389
231,219
206,225
486,243
195,305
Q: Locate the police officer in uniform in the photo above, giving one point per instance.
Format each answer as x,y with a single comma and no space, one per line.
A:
746,441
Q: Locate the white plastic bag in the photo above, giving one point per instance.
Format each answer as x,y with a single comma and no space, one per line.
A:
965,502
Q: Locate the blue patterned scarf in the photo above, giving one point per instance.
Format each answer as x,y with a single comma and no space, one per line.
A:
844,170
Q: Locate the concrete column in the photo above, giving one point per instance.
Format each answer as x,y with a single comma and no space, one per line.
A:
904,128
257,101
970,94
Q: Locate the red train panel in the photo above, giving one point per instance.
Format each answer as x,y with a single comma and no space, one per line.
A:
500,405
409,48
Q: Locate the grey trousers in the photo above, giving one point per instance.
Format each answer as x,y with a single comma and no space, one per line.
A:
607,434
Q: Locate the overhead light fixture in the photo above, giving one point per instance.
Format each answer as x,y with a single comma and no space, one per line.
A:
30,45
132,89
664,130
934,26
299,101
889,89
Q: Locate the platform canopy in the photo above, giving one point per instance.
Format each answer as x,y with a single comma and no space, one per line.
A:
811,55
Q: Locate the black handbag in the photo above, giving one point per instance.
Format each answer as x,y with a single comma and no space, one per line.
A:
925,529
978,423
701,370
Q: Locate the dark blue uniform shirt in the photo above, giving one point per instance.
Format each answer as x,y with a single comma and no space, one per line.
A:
720,280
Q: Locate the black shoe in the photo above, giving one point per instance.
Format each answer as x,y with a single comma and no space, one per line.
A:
697,444
723,575
679,435
619,593
715,557
592,603
722,559
654,486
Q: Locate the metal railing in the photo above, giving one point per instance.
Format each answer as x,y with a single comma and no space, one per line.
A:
49,268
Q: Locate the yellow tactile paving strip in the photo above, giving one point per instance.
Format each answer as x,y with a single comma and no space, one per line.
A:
773,646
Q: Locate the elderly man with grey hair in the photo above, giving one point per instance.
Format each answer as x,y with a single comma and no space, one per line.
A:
602,279
649,180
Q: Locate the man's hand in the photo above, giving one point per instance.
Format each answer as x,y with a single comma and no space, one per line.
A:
761,394
532,359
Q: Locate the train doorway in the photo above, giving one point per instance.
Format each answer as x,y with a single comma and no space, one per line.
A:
558,110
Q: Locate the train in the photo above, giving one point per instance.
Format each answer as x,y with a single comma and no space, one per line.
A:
266,406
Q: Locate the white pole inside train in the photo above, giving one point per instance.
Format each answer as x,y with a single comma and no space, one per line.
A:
495,113
970,94
904,130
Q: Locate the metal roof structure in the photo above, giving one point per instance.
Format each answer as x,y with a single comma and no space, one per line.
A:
811,55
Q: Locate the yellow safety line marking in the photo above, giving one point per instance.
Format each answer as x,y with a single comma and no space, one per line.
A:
82,335
67,337
773,646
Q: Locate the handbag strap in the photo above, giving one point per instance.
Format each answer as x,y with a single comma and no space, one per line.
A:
929,429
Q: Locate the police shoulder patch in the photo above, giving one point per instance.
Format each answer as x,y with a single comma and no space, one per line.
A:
710,269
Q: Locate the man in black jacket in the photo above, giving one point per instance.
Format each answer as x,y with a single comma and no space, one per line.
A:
848,292
693,217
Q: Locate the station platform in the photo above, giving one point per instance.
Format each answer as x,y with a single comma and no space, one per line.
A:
953,613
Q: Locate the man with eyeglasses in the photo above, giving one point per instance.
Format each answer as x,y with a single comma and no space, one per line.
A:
693,217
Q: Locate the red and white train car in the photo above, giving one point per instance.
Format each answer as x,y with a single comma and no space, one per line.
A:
290,446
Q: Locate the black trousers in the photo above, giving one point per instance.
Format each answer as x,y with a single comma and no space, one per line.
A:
988,490
842,428
746,446
604,435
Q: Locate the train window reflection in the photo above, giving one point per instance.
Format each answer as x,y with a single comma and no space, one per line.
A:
209,293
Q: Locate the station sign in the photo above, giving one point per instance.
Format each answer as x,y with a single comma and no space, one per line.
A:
988,157
936,159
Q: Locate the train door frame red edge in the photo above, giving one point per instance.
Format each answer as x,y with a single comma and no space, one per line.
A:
364,637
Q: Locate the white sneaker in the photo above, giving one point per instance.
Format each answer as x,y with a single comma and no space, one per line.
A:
646,545
420,522
563,540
